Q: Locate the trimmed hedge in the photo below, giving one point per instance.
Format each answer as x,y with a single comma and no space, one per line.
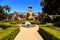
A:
50,25
5,25
34,22
9,33
49,34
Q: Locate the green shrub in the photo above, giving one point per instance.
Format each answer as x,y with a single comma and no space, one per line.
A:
5,25
9,33
43,25
50,25
45,19
56,19
57,23
34,22
49,34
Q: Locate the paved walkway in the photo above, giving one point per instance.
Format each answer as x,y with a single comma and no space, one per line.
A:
29,34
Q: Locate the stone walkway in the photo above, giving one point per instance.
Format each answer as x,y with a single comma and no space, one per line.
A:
29,34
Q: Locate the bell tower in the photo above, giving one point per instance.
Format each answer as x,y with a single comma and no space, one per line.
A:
30,10
30,13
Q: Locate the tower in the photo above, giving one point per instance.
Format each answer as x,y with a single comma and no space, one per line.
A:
30,12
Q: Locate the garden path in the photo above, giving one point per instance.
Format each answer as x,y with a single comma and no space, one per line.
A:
29,34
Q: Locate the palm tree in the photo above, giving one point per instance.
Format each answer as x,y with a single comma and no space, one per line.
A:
7,9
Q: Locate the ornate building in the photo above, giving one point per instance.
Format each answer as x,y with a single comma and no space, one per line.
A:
23,15
30,13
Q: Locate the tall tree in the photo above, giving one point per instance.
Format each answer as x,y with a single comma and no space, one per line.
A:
39,17
2,13
28,15
51,6
7,9
1,10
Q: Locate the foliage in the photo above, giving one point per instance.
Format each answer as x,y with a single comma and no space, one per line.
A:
28,15
57,23
51,6
6,7
56,19
1,9
3,13
39,17
9,34
46,19
50,25
49,34
43,25
5,25
34,21
20,21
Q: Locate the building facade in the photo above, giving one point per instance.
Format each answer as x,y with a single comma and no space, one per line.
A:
23,15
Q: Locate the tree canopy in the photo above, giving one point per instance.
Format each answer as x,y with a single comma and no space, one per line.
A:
51,6
3,13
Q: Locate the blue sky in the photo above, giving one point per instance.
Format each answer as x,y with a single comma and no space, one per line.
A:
22,5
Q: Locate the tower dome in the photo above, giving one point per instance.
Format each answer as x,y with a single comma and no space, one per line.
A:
29,6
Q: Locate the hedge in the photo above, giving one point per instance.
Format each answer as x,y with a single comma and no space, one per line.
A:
34,22
49,34
50,25
9,33
5,25
57,23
